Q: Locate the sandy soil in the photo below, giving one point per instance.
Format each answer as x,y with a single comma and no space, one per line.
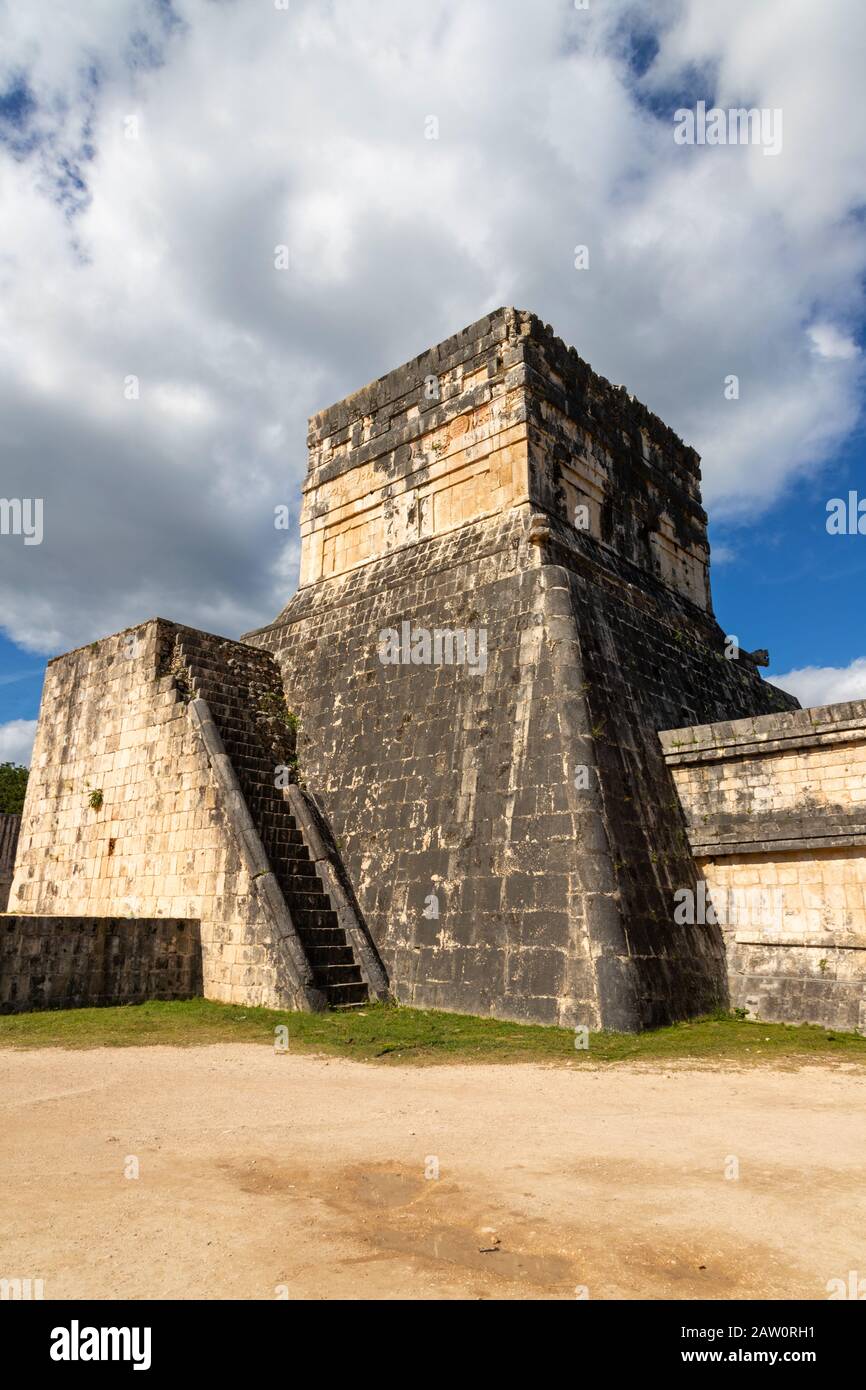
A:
266,1175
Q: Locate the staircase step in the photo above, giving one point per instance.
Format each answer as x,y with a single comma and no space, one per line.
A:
302,893
338,995
302,869
308,919
287,840
317,937
340,975
322,958
290,863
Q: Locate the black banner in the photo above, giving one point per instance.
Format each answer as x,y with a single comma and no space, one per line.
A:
147,1338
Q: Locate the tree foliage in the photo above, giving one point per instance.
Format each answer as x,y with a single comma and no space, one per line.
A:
13,785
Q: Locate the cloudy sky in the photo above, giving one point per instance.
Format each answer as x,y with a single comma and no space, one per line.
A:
153,153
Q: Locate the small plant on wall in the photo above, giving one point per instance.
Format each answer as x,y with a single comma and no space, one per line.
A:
273,706
179,669
95,799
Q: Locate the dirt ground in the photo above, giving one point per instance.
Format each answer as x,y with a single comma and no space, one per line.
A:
264,1176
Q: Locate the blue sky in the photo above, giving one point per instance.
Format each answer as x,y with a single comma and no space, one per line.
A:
789,585
154,154
21,676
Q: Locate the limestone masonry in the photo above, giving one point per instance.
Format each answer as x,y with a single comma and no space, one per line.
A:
496,755
65,962
777,806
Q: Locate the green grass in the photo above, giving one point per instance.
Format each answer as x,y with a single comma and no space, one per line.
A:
389,1034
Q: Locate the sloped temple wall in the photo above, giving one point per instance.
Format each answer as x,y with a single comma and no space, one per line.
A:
126,818
496,876
776,815
445,785
508,821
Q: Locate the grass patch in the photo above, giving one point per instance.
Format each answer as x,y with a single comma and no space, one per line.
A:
382,1033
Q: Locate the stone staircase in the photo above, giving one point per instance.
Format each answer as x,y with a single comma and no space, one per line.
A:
244,692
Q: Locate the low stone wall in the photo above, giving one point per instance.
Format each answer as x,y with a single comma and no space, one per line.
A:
775,811
72,962
10,825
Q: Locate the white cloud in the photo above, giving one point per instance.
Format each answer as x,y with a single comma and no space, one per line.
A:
825,685
830,342
16,741
260,127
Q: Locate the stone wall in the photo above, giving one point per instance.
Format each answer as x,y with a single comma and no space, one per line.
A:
510,827
10,826
776,815
125,817
70,962
501,414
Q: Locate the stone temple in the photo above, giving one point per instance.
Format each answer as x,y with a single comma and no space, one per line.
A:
496,755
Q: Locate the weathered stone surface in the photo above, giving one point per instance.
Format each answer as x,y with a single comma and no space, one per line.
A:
10,826
775,810
153,793
451,788
124,816
70,962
